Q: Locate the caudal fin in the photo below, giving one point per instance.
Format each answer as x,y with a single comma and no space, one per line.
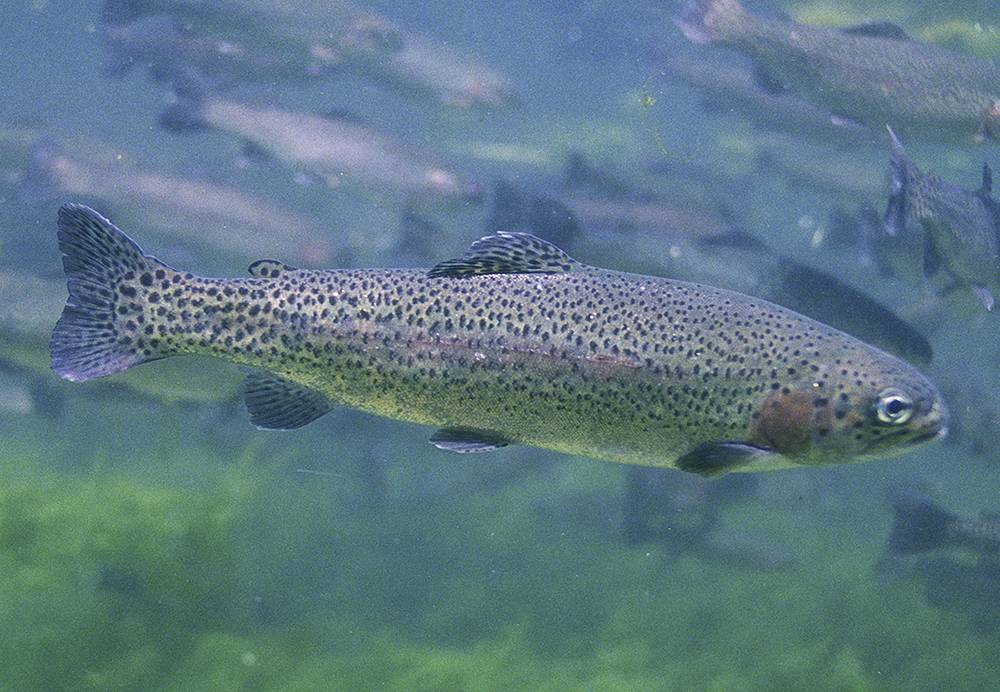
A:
701,20
919,523
106,273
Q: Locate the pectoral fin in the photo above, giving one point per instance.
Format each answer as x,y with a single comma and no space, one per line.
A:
468,440
715,458
275,403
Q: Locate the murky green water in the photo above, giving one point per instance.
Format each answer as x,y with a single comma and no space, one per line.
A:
150,538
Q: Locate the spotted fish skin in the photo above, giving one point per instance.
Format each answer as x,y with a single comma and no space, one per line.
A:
586,361
872,73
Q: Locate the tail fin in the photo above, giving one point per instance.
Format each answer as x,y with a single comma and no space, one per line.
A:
919,523
700,19
106,272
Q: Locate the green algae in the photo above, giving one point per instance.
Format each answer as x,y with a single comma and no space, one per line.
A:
242,580
96,567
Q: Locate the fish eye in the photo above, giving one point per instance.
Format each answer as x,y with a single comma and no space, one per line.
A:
893,406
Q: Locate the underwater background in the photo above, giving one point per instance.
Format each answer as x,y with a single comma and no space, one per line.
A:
151,538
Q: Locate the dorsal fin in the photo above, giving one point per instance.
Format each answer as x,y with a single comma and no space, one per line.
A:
269,269
508,253
879,30
987,187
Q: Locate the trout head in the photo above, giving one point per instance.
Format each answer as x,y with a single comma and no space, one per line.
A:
859,407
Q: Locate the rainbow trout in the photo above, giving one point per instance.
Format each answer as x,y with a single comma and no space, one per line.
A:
514,342
873,73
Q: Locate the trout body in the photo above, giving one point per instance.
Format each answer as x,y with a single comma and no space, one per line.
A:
515,342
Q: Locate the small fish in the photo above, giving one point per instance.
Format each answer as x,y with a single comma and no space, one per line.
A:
958,230
872,73
921,525
514,342
335,150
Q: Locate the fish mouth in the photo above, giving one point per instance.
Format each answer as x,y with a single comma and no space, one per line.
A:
935,426
933,434
905,439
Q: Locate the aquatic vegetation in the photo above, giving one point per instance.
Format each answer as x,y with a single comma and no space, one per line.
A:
244,581
94,567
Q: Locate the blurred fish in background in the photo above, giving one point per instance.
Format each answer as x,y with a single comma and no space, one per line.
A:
336,150
955,560
855,71
222,43
958,229
221,220
921,525
732,88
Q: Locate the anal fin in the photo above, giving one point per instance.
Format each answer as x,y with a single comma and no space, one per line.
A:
468,440
275,403
715,458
